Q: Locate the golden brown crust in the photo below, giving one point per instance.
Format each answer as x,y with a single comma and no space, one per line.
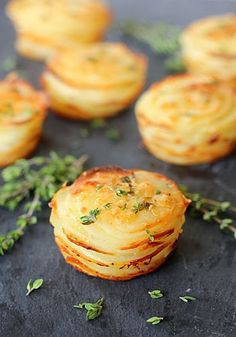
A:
45,26
188,119
215,55
116,245
22,112
95,81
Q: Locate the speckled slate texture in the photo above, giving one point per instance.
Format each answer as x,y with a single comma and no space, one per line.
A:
204,261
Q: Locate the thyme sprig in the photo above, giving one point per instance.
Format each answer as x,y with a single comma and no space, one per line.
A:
94,310
211,210
30,184
163,38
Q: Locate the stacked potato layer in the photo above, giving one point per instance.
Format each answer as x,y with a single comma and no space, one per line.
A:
22,112
209,47
94,81
134,219
188,119
45,26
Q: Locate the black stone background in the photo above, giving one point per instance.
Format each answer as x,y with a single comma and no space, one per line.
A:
204,260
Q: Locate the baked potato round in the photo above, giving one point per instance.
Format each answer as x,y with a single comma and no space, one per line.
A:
96,81
118,224
209,47
188,119
22,112
45,26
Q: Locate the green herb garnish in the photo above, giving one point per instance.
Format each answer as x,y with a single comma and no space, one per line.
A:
155,320
33,285
91,218
108,205
126,179
155,293
140,206
211,210
150,236
158,192
113,134
120,192
163,38
84,132
8,64
98,187
32,183
94,310
124,206
98,123
187,298
174,64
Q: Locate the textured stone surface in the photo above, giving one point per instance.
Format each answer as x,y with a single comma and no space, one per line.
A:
204,260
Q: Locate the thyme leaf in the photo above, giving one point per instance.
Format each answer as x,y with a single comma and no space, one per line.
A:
91,217
94,310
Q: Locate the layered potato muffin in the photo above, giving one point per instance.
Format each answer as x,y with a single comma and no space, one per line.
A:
22,112
209,47
47,25
97,81
188,119
117,224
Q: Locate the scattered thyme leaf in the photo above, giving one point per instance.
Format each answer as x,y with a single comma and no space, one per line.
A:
187,298
113,134
140,206
120,192
34,285
174,64
94,310
150,236
98,123
124,206
98,187
155,293
91,218
108,205
8,64
158,192
126,179
155,320
84,132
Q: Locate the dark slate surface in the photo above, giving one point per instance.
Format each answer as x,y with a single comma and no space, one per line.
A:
204,260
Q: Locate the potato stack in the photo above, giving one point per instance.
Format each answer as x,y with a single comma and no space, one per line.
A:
209,47
44,26
188,119
22,112
95,81
118,224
